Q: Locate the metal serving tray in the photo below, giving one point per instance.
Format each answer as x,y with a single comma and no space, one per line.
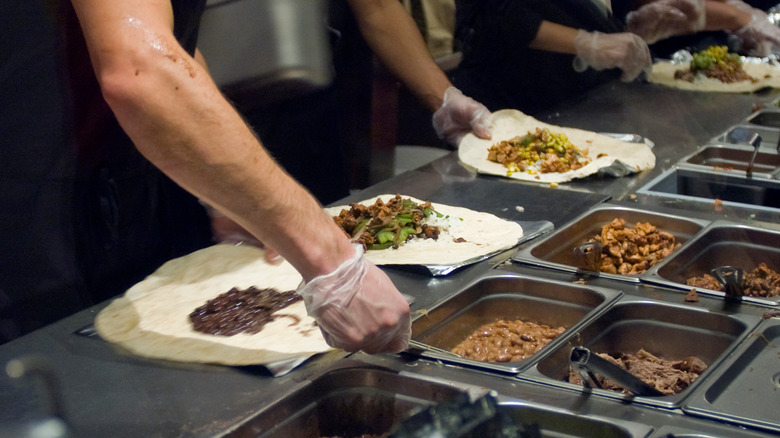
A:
710,431
747,390
556,249
350,401
555,422
710,187
768,117
733,160
720,244
666,330
503,295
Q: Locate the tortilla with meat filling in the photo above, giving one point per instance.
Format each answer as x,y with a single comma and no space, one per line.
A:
152,318
602,150
465,235
763,75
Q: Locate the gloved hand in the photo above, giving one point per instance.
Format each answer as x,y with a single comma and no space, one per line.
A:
759,37
459,115
600,51
225,230
665,18
358,308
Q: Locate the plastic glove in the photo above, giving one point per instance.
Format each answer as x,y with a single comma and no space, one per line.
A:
665,18
459,115
759,37
225,230
358,308
626,51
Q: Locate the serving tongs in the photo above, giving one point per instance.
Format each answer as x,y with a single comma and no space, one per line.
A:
731,279
751,138
588,255
587,365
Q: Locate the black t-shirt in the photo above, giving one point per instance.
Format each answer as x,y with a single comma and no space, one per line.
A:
498,67
83,215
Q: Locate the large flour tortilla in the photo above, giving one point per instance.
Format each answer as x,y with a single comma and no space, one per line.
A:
508,124
765,74
152,318
483,233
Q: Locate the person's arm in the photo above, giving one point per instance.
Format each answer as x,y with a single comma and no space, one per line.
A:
554,37
178,119
394,37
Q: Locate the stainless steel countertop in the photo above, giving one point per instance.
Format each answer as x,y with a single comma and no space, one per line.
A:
107,392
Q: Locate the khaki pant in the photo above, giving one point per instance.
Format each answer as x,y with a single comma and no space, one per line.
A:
436,19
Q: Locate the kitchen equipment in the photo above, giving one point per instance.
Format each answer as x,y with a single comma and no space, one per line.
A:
586,364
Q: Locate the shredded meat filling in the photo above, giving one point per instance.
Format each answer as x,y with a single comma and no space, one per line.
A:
668,376
762,282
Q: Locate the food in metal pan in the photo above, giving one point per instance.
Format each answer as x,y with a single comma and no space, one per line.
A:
761,282
506,341
715,62
632,250
667,376
539,151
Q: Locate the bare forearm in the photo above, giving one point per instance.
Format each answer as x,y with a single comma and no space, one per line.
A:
553,37
396,40
178,119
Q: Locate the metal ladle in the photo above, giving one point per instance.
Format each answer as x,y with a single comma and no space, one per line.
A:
751,138
731,279
588,364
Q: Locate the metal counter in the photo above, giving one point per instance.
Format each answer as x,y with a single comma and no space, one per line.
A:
107,392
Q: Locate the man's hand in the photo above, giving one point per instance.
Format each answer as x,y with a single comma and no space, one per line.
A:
626,51
459,115
665,18
358,308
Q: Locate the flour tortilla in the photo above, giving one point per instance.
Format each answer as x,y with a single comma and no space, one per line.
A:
507,124
483,233
766,76
152,318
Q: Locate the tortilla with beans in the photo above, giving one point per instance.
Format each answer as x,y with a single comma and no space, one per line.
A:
601,151
152,319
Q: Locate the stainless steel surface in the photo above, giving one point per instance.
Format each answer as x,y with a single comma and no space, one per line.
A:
501,295
264,51
556,250
733,160
770,136
747,389
669,331
716,188
722,243
347,401
109,392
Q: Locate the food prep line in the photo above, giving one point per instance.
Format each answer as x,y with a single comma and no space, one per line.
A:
104,391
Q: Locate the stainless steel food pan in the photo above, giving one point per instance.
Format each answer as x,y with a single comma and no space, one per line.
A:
720,244
715,187
554,422
556,250
509,296
746,390
668,331
734,135
351,401
767,117
710,430
733,160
